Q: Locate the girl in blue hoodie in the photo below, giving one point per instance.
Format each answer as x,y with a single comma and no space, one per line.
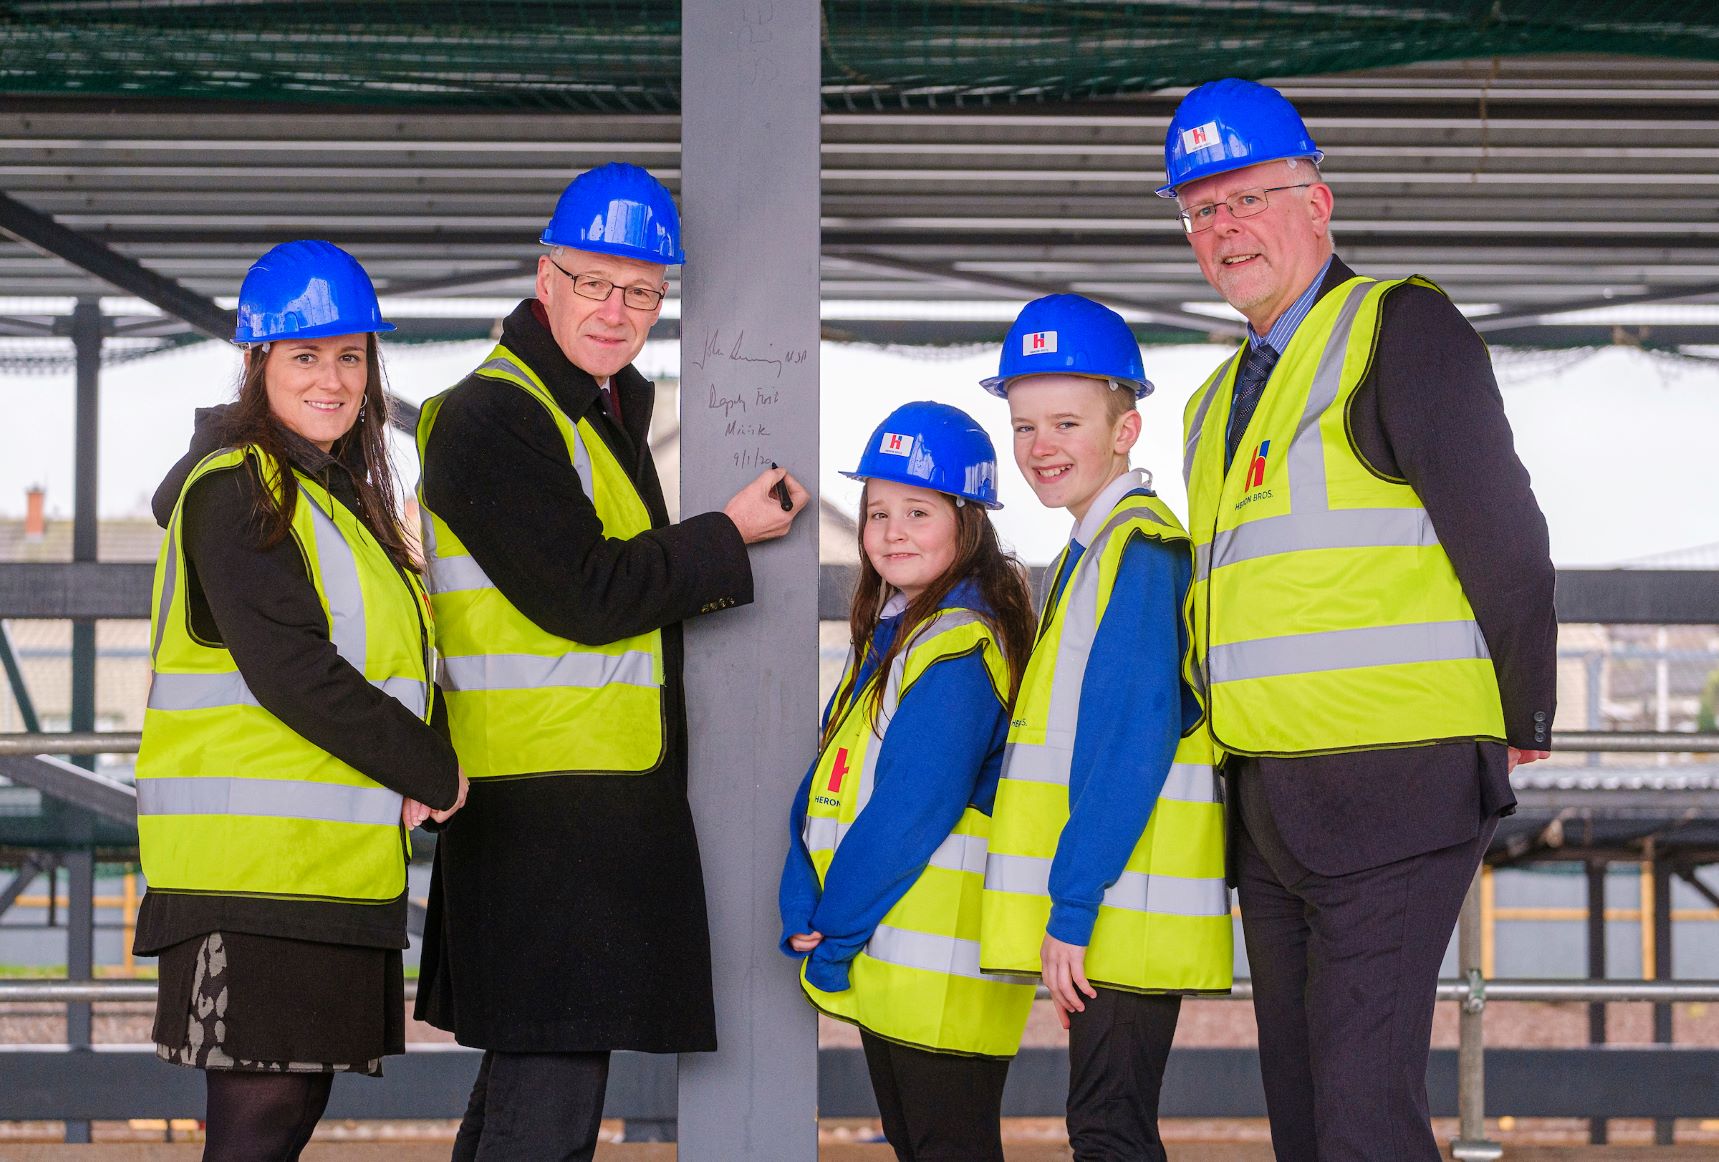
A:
880,896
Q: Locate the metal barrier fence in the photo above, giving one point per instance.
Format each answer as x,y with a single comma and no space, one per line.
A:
640,1094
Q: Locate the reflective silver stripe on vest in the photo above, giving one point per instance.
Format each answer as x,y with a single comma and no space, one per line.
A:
448,574
945,954
822,833
1132,891
1050,761
1347,649
1034,763
209,691
169,579
1200,411
961,853
276,798
1354,528
537,672
581,458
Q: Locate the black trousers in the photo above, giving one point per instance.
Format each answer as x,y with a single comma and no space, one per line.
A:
937,1107
534,1107
1117,1049
1345,970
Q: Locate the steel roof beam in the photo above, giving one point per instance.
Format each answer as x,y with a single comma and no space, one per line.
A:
949,276
43,233
1549,312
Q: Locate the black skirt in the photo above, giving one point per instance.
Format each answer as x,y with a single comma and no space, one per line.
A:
237,1001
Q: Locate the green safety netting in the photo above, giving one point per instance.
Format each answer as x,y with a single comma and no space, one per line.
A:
606,56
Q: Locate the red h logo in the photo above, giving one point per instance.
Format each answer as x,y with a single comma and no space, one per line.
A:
1198,135
1039,341
1256,469
838,770
894,443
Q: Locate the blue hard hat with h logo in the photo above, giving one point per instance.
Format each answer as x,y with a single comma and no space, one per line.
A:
1070,335
934,445
617,209
306,290
1231,124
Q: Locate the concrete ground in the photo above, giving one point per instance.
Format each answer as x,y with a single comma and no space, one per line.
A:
1211,1152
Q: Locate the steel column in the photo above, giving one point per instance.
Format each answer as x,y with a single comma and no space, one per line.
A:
15,679
80,865
1664,1129
750,73
1596,869
1471,1143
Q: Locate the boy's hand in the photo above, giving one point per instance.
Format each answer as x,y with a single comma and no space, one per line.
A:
1064,970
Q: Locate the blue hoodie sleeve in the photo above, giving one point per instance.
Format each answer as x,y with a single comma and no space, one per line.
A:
945,742
797,895
1133,709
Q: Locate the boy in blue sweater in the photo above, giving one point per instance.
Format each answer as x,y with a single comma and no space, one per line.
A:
1106,862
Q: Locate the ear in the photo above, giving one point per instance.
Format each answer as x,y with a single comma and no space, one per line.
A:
1128,432
545,272
1319,204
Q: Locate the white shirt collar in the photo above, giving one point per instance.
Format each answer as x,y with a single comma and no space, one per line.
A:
1087,527
897,603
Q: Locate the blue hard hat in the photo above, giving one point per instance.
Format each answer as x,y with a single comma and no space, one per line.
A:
933,444
306,290
1231,124
1070,335
617,209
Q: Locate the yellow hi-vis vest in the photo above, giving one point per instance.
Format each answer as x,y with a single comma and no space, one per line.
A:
1164,925
1327,616
521,700
917,981
231,800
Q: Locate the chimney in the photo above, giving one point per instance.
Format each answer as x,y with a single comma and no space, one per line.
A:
35,522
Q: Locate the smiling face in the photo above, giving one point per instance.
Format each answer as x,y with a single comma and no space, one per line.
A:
1261,264
315,386
909,534
1070,439
599,338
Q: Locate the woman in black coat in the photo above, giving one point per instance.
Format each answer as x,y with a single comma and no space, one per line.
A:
272,992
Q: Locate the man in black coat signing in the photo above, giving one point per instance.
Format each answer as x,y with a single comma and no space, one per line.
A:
1373,621
567,911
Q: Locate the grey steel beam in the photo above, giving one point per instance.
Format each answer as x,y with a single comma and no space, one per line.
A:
749,334
15,680
42,232
951,277
73,786
1598,1130
464,281
1664,1128
1548,312
60,589
432,1081
28,870
80,959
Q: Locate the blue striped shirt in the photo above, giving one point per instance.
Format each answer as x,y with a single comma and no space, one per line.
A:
1284,329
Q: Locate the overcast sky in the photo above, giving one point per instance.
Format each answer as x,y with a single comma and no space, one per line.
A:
1618,441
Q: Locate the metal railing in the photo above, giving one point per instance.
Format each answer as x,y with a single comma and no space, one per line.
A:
1473,990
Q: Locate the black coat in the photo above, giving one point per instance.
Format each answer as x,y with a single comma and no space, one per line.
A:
260,603
1430,412
567,913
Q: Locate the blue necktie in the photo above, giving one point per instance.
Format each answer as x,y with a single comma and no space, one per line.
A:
1250,385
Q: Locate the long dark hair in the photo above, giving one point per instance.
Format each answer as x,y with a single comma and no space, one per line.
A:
979,557
251,421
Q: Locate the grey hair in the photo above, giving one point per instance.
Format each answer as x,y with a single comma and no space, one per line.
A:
1295,163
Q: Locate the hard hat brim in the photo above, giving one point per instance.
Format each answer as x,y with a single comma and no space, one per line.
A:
992,505
1230,165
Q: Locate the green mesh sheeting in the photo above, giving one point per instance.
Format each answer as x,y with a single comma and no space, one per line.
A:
605,55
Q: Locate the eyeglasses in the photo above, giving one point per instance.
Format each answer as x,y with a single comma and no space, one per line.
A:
589,286
1242,204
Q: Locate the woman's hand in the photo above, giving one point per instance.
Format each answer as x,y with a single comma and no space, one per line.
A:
1064,968
443,816
805,941
413,813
